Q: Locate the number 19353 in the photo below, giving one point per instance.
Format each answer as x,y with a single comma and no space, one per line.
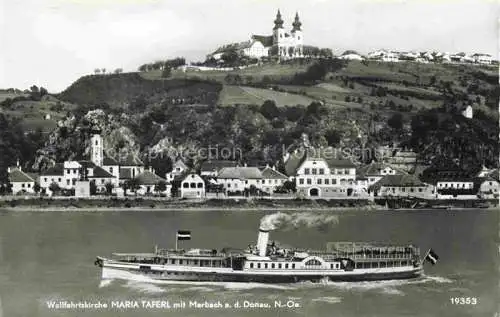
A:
464,300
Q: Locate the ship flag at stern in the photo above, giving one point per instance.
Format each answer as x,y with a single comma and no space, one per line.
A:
183,235
432,257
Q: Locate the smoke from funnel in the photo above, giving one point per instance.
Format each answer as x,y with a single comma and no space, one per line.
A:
286,221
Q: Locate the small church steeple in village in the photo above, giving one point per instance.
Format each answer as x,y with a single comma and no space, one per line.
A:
96,149
278,23
296,23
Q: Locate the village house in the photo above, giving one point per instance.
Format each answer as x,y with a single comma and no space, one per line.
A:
178,168
373,172
112,167
319,177
384,56
149,181
211,168
484,59
488,187
21,182
192,186
409,56
95,174
240,178
402,185
467,112
55,174
487,172
452,183
351,56
390,57
272,179
130,167
71,173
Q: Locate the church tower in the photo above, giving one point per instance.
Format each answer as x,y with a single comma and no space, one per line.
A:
298,36
279,34
96,149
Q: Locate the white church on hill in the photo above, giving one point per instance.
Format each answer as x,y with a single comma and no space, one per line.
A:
280,43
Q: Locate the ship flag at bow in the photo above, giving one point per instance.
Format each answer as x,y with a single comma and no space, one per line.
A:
432,257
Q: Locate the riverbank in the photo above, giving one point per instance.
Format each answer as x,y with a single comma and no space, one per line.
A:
141,204
148,204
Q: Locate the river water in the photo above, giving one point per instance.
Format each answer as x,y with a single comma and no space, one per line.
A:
47,257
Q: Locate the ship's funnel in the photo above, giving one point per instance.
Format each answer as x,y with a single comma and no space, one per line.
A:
262,241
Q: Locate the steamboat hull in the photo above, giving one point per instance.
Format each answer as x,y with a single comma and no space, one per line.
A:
113,272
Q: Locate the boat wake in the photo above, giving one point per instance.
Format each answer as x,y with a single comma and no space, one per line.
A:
328,299
437,279
105,283
390,287
145,288
139,281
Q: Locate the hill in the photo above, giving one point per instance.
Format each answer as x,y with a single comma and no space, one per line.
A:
258,110
122,90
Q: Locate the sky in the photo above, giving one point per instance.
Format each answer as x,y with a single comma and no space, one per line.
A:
51,43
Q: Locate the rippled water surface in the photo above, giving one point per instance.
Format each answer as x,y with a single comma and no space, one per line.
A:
48,257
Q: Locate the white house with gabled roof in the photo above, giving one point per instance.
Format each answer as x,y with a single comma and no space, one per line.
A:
192,186
20,181
317,177
272,179
239,178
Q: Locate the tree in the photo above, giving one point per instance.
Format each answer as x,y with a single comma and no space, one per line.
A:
158,65
93,188
333,137
269,109
287,187
97,71
43,92
109,188
167,71
133,184
294,113
37,188
326,53
118,71
396,121
273,51
230,57
432,81
141,68
54,188
161,187
103,70
316,110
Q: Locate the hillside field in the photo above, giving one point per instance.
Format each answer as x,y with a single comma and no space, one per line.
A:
243,95
257,73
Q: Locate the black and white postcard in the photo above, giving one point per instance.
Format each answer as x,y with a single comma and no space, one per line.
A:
249,158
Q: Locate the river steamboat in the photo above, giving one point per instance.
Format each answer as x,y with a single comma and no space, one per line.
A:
269,263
